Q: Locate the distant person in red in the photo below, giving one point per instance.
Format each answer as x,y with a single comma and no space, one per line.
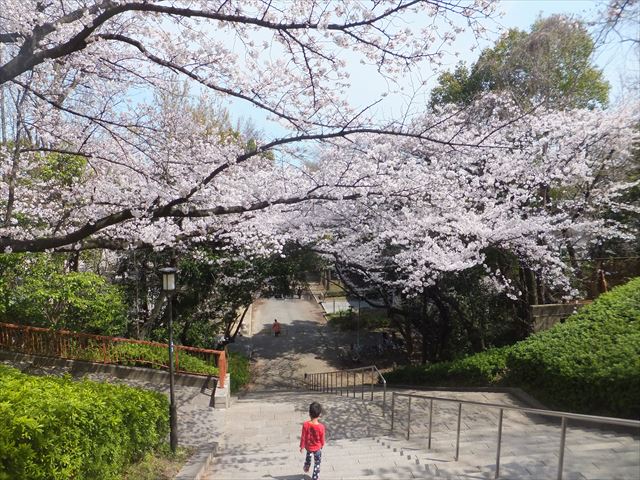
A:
312,440
276,328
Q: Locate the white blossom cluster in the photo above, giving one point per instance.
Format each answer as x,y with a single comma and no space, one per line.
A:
100,151
534,187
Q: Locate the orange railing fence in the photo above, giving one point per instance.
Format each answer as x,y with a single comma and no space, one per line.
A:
114,350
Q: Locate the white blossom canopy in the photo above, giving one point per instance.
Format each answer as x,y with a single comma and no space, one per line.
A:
89,159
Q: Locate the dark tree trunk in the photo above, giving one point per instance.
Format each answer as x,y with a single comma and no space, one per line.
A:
244,313
73,261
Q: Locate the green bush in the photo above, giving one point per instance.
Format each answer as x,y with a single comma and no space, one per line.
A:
55,428
589,364
142,355
484,368
370,319
35,290
239,369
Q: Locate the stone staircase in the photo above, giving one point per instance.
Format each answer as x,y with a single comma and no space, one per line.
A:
261,438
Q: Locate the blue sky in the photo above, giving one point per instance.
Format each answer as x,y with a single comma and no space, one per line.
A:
618,63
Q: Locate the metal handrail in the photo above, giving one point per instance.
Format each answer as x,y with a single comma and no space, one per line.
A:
328,382
97,348
564,416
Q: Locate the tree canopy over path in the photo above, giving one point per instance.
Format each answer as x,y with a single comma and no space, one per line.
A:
101,149
76,76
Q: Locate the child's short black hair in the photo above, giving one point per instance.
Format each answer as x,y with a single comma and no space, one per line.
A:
315,410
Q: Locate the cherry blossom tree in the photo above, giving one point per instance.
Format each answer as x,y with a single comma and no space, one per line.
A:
425,211
77,77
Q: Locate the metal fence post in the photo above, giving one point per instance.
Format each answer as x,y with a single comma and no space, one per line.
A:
393,408
458,432
409,419
372,384
341,381
563,436
354,384
384,397
347,385
362,386
430,422
499,442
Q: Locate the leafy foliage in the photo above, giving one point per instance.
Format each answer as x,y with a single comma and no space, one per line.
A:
552,63
54,428
590,363
157,357
37,291
369,319
475,370
239,370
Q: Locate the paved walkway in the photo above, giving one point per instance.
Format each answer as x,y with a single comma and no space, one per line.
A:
261,430
306,344
261,435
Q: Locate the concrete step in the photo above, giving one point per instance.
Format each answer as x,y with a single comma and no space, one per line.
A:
262,434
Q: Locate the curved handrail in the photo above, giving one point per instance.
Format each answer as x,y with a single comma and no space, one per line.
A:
564,416
328,382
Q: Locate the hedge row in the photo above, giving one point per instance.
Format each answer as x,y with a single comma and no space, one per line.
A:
141,355
55,428
136,354
589,364
486,368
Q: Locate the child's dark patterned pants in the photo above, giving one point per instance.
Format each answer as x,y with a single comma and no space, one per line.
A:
317,458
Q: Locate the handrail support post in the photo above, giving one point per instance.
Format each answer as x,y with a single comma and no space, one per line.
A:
563,437
430,422
458,430
499,442
409,419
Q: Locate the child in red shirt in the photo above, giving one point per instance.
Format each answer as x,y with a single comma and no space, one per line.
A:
312,439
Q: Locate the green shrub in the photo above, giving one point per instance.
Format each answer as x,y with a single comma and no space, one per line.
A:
239,369
370,319
35,290
589,364
55,428
484,368
142,355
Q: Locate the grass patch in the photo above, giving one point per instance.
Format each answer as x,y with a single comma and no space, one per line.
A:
161,464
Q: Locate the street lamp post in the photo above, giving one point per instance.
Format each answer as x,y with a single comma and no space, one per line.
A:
169,286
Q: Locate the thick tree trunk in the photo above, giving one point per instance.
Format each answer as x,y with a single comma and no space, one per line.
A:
244,313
